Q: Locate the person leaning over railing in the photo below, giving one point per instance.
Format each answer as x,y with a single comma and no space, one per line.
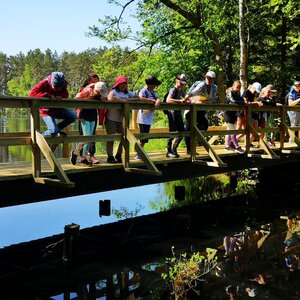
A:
206,90
230,117
249,96
92,78
88,121
176,96
145,116
266,98
54,87
113,120
294,99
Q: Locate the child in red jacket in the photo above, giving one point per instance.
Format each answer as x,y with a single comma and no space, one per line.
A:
54,87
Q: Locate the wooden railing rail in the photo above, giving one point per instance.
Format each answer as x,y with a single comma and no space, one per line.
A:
131,136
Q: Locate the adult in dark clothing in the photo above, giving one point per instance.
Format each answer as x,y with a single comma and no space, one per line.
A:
176,95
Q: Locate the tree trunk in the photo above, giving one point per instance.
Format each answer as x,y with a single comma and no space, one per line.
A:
283,57
243,35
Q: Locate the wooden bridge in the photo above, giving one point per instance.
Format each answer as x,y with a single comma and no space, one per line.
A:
49,177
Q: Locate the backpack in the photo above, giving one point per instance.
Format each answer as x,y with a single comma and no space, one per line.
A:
286,99
166,112
193,86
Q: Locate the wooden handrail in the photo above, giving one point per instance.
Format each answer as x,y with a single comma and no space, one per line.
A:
38,143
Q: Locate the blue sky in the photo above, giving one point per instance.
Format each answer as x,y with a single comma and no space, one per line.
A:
59,25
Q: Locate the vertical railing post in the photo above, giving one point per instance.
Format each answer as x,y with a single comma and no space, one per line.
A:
247,129
193,140
125,142
281,126
35,126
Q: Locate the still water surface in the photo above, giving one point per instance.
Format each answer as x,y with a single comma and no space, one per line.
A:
32,221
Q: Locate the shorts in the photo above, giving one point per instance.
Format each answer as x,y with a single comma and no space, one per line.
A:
294,118
144,129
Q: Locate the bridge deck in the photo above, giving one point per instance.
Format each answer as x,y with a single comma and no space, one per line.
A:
21,170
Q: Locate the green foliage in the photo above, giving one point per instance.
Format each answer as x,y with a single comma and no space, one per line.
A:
21,86
186,271
200,189
124,213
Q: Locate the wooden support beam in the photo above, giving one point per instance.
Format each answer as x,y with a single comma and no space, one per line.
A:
208,148
270,153
292,134
53,162
151,168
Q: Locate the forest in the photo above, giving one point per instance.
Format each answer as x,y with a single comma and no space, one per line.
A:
244,39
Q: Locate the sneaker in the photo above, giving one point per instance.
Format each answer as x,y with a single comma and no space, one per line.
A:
239,150
171,155
252,147
86,162
138,157
111,160
62,133
118,158
228,148
176,153
94,161
74,155
271,144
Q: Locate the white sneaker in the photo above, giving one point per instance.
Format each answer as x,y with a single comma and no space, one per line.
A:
137,157
170,154
239,150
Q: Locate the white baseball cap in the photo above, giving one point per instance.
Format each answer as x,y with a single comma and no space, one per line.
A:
101,87
211,74
257,87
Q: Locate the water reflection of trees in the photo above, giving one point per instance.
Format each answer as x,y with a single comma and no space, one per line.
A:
124,213
203,189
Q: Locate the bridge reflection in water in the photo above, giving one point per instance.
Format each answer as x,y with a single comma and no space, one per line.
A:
125,260
50,177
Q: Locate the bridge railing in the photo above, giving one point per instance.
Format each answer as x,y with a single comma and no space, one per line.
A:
130,137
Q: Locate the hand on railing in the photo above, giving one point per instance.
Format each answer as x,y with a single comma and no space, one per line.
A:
52,97
157,103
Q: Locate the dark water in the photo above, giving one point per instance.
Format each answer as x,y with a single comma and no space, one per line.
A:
125,260
133,270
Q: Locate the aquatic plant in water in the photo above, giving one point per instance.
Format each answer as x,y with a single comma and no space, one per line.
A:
185,272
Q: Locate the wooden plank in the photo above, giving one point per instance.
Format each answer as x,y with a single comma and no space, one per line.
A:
51,159
16,141
148,163
209,163
54,182
143,171
35,127
270,153
208,148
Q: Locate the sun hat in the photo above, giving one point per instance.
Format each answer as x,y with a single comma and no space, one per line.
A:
297,83
58,79
182,78
270,87
101,87
152,80
252,292
210,74
120,79
257,87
